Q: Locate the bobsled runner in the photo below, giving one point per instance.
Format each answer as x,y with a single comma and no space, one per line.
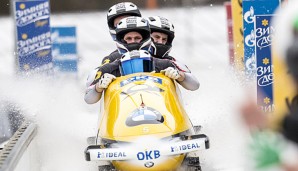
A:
144,126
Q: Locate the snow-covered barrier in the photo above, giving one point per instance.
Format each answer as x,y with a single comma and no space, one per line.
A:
18,153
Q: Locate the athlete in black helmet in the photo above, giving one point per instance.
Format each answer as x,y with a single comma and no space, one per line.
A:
163,34
115,14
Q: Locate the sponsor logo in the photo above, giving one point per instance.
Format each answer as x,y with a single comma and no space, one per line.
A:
164,22
265,75
26,16
149,164
120,6
140,78
264,36
249,15
34,44
250,39
251,65
98,74
116,154
41,23
184,147
131,21
148,155
134,53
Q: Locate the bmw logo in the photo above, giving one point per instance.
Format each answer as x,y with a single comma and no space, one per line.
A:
149,164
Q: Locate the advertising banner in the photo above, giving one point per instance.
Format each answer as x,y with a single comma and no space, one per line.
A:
64,49
250,9
33,35
264,33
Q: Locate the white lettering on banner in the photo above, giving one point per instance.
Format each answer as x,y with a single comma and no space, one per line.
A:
264,41
268,109
37,43
264,70
250,39
63,39
249,15
264,31
32,14
115,154
185,147
266,34
265,75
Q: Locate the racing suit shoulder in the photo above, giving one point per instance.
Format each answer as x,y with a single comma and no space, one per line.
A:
161,64
111,57
111,68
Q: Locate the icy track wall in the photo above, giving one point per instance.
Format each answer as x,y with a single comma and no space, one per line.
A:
64,121
19,154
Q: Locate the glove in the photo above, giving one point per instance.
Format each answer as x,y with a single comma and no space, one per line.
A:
104,82
171,73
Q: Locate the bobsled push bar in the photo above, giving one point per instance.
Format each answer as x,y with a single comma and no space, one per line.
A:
185,145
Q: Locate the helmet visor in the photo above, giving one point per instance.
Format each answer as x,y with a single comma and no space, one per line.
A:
136,65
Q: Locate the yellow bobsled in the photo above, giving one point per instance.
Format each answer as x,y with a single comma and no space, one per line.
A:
143,126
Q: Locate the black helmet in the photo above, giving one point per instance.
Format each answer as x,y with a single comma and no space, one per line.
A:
120,9
163,25
131,24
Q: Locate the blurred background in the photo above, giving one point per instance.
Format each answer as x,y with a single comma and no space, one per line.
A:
99,5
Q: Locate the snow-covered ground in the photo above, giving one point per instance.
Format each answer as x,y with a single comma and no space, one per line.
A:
64,120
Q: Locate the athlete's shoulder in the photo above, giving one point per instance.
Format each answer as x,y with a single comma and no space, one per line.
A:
111,57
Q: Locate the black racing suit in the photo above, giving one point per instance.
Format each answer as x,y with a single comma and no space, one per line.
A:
113,68
111,58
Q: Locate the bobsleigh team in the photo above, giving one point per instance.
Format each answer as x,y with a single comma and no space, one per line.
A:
143,43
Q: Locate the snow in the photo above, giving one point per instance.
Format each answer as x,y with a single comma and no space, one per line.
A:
65,120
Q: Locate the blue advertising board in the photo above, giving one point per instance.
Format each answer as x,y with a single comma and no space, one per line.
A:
264,32
64,49
250,9
33,35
